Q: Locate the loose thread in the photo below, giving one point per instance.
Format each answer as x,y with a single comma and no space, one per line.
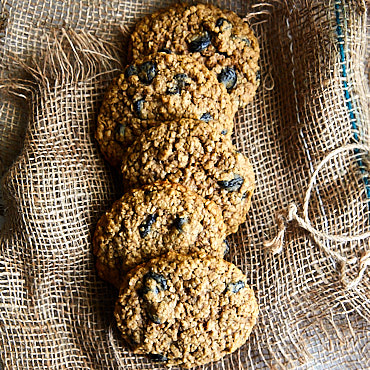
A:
116,351
364,263
276,244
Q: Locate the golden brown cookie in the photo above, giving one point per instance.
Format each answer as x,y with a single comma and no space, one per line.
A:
220,39
197,155
151,221
155,89
186,310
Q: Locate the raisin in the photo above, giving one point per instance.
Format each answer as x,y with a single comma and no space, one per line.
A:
200,42
157,357
121,130
206,117
235,287
152,314
138,106
245,195
180,83
220,22
165,50
242,38
147,72
181,80
173,90
160,284
246,40
144,228
224,24
181,76
224,132
232,185
120,134
130,71
180,222
227,247
158,278
258,75
228,77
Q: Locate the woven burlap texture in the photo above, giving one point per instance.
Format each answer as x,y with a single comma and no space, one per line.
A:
56,61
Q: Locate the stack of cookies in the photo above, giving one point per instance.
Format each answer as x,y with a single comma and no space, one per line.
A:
166,122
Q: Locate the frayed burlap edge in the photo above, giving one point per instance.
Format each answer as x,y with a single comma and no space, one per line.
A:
40,77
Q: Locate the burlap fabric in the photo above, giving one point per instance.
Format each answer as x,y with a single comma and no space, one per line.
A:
56,60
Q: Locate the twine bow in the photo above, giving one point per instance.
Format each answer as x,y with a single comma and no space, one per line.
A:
276,244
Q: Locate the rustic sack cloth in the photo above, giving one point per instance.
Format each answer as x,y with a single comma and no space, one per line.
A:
56,61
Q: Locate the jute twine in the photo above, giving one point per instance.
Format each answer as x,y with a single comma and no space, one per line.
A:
283,219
